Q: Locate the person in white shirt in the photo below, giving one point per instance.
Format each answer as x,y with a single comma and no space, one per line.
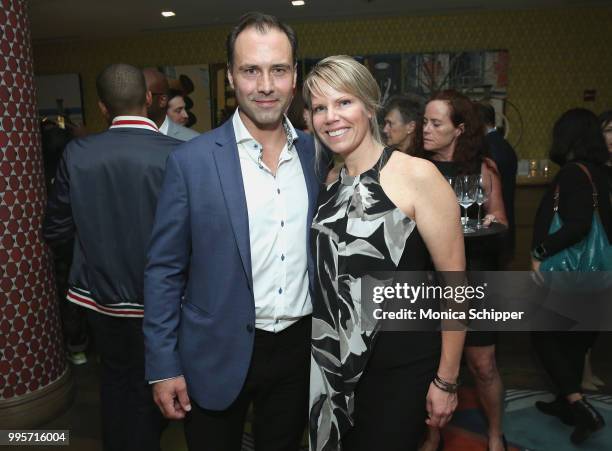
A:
229,276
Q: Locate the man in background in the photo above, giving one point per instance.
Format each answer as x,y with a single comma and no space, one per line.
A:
105,196
505,158
158,86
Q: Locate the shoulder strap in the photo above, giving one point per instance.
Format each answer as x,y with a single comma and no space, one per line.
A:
384,157
593,188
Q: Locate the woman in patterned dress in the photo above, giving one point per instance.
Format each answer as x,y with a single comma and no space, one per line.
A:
382,211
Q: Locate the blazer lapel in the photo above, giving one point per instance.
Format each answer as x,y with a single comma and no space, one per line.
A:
307,159
308,164
230,177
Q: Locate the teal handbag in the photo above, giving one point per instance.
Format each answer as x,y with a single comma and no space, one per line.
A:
593,253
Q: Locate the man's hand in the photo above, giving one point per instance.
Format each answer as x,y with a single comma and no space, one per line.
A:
171,398
440,406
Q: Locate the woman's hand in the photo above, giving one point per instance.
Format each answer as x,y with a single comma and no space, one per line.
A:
495,203
440,406
488,220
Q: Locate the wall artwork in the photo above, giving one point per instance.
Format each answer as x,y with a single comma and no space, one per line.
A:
482,75
59,98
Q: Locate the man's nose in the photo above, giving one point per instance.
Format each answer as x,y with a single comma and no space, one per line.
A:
266,84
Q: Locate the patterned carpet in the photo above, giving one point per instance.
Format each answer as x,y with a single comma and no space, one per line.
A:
526,429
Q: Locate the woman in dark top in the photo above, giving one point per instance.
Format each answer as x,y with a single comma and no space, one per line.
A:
453,139
605,121
374,389
577,138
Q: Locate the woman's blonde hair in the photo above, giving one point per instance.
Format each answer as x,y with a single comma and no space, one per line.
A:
344,74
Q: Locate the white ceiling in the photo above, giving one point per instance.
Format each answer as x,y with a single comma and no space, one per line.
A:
82,19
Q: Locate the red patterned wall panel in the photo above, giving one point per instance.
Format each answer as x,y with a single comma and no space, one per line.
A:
31,352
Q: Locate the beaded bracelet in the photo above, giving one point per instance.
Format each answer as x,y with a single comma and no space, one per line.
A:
443,385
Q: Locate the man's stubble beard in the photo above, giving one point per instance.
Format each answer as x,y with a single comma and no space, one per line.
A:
265,119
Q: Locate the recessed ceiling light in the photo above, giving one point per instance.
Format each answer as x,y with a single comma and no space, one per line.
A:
168,13
298,2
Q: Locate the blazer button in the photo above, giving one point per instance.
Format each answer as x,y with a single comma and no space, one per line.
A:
249,328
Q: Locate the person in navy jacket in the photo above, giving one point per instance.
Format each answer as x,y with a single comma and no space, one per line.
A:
105,196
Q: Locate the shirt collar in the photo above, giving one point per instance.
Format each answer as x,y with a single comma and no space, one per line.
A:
134,122
165,125
243,135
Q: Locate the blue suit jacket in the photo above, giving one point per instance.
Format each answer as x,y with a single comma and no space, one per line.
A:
199,306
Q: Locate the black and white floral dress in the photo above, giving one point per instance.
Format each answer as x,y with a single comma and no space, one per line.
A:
356,230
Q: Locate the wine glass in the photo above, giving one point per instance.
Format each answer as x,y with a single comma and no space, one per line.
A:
466,195
481,198
482,194
458,188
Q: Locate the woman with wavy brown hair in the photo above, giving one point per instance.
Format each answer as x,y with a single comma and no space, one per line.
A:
453,139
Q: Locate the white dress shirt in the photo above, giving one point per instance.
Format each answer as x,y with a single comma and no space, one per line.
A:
277,210
163,128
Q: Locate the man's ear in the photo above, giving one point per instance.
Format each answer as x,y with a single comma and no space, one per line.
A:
411,127
294,76
104,111
230,78
148,99
163,101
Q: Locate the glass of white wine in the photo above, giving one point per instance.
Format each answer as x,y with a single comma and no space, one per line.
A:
482,194
466,187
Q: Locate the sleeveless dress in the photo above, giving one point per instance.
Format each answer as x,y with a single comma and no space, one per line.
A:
356,230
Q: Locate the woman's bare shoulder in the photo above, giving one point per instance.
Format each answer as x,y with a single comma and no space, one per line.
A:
413,167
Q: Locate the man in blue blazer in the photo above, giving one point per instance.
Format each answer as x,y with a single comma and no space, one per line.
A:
227,284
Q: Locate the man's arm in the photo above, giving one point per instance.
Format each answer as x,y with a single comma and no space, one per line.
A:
58,225
165,279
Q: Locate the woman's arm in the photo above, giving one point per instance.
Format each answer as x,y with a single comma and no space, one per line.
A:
437,218
494,206
420,191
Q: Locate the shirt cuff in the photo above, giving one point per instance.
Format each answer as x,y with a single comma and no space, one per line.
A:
166,379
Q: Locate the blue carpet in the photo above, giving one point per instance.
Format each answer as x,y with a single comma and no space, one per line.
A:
526,427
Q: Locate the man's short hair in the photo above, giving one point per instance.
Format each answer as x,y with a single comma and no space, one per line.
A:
486,113
410,107
121,88
262,23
